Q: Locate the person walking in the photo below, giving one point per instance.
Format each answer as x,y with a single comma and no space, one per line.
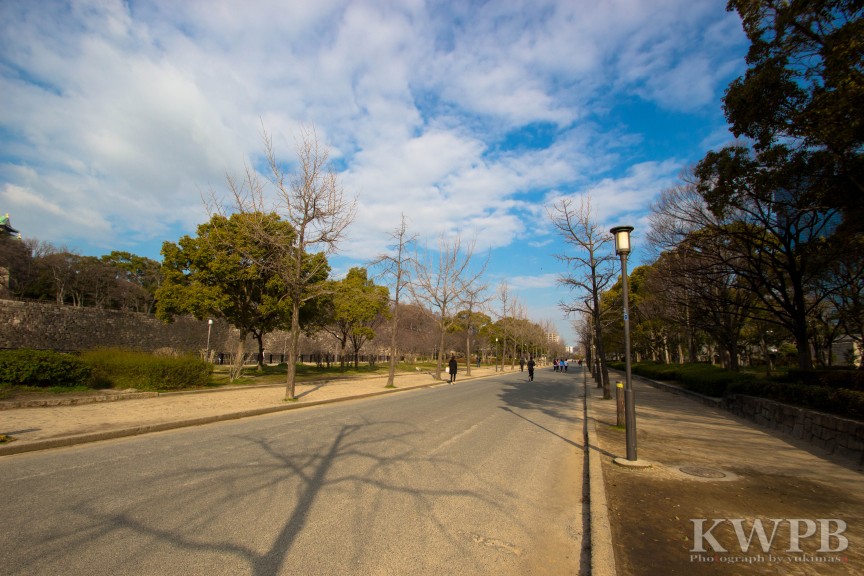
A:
531,369
522,364
452,367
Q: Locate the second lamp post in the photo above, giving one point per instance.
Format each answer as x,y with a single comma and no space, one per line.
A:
622,248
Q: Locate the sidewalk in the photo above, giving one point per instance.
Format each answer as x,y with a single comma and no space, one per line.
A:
40,428
710,467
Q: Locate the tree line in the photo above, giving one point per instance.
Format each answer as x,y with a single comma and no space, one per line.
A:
761,242
120,280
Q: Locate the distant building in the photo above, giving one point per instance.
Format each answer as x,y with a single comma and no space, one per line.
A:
847,351
6,227
552,338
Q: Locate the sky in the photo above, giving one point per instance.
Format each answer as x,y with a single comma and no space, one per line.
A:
119,119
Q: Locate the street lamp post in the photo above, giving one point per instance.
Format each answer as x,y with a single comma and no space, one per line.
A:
622,248
209,326
496,354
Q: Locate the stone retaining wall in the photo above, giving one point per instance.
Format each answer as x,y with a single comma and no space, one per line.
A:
834,434
54,327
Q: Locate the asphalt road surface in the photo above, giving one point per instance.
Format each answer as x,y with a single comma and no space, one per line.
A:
485,477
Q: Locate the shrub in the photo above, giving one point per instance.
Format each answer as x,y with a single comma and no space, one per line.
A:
845,403
702,378
120,368
42,368
838,392
848,379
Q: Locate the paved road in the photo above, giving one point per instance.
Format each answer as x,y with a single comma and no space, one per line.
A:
481,478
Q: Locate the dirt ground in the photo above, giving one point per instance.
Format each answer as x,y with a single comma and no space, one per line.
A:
730,471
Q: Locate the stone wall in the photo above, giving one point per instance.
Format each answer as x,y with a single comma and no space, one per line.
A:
51,326
837,435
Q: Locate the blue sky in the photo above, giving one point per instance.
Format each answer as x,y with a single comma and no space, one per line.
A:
469,117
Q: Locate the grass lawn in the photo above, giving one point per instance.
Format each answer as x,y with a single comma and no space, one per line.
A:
276,373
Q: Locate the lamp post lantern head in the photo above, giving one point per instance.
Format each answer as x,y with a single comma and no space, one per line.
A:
622,239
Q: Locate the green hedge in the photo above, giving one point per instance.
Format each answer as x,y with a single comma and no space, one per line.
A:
826,391
702,378
42,368
846,403
836,378
118,368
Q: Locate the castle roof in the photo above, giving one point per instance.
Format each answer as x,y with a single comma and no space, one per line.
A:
6,226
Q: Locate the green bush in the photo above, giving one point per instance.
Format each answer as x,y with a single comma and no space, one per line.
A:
838,392
836,378
120,368
42,368
845,403
702,378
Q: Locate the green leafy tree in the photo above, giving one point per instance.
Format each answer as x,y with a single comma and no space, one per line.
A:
758,227
137,277
804,88
312,202
224,271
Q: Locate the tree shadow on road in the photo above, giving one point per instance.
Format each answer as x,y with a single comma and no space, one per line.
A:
558,397
271,484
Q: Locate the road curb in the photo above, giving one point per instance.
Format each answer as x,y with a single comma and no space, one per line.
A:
48,443
602,554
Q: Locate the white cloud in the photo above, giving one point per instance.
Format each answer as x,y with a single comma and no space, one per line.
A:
116,116
533,281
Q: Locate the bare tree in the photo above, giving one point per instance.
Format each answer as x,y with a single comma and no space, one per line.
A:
772,240
439,284
590,268
61,265
503,294
312,200
472,300
397,266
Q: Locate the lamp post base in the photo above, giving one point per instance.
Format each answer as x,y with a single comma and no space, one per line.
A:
632,463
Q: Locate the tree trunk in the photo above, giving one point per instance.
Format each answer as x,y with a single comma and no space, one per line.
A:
601,352
391,374
603,370
259,336
734,357
292,351
802,342
468,354
439,365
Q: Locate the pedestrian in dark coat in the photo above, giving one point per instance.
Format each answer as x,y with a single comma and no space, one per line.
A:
452,367
531,369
